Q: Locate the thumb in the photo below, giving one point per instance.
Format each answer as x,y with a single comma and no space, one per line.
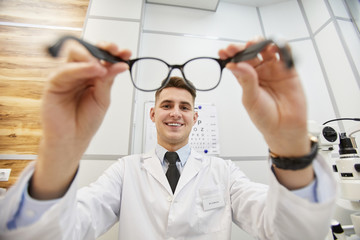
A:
247,78
103,84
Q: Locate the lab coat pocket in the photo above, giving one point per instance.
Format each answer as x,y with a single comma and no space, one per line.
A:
212,209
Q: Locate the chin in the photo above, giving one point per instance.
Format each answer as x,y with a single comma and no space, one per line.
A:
175,140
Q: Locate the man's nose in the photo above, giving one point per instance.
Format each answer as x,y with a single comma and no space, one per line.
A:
175,112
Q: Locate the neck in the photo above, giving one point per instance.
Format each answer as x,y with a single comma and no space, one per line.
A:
172,147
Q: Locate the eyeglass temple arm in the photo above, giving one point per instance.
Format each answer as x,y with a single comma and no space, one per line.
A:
95,51
252,52
247,54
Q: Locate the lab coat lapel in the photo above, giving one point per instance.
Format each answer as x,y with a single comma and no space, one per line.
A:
193,165
152,165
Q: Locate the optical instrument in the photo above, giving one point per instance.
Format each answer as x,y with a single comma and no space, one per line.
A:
346,167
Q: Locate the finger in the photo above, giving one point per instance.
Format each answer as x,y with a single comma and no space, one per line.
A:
118,68
270,53
222,54
230,50
113,49
102,88
125,54
248,79
73,75
282,55
76,52
286,56
256,61
255,40
233,49
113,70
110,47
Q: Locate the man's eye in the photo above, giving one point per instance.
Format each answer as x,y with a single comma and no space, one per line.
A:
166,106
185,108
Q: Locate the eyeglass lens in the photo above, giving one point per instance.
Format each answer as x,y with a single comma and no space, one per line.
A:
148,73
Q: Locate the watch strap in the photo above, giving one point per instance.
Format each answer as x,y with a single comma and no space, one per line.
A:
296,163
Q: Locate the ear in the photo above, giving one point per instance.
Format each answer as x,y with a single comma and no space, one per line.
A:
196,115
152,114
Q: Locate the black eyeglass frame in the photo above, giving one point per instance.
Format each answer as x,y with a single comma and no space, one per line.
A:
131,62
246,54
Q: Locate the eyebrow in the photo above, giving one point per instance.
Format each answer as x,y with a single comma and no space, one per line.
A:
170,101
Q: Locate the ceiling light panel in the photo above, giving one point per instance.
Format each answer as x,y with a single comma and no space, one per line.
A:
210,5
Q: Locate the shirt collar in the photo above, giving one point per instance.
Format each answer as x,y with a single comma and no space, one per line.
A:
183,153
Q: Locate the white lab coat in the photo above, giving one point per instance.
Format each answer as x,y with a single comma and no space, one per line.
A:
211,193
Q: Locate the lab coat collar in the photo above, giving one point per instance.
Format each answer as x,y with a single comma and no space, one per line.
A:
193,166
151,163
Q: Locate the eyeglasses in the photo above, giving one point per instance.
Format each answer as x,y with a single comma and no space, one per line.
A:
204,73
150,73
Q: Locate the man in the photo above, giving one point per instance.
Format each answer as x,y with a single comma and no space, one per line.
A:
210,193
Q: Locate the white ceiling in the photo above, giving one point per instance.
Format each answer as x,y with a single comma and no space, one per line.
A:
212,4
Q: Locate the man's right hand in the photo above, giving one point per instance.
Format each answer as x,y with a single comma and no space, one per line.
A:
74,104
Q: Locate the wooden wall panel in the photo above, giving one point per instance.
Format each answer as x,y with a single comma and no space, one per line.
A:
24,67
25,64
27,28
69,13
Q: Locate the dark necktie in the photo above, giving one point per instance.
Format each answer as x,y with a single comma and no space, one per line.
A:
172,173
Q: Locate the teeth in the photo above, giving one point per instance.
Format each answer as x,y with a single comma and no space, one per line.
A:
174,124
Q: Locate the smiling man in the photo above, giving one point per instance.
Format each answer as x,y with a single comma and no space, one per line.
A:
171,192
174,114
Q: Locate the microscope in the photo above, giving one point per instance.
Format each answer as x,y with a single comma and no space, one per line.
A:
341,152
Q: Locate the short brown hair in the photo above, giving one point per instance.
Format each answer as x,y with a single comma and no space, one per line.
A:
177,82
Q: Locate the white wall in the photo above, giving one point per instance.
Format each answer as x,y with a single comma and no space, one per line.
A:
115,21
338,45
324,44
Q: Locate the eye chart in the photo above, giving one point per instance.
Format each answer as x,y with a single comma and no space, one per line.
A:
204,136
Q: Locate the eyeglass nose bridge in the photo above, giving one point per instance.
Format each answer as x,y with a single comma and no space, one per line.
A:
176,66
222,64
173,67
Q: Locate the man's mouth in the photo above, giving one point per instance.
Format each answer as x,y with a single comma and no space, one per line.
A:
174,124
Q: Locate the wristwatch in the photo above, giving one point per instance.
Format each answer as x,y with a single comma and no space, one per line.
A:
296,163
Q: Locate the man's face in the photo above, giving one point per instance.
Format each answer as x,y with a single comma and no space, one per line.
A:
174,117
